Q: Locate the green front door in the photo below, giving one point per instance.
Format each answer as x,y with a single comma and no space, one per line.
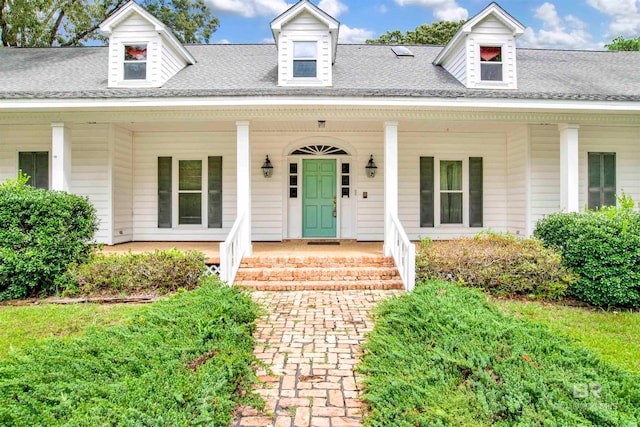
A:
319,198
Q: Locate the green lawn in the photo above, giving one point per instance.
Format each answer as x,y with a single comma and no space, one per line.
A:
615,335
27,325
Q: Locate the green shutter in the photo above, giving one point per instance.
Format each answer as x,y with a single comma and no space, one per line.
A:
36,165
475,192
426,191
215,191
602,180
164,192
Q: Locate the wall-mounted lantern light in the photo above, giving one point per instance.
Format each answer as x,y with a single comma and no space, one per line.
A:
267,168
371,167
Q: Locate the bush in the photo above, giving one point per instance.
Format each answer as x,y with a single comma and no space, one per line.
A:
152,272
499,263
443,355
184,361
603,247
41,233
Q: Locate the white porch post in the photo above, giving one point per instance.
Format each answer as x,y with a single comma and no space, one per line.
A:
243,159
61,157
390,182
569,161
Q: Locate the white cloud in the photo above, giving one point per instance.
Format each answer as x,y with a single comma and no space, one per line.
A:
444,10
250,8
381,8
333,7
354,35
625,16
558,32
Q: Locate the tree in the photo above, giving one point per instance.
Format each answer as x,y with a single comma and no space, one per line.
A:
620,43
437,33
38,23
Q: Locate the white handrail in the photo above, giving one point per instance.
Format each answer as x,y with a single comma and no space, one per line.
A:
232,250
404,254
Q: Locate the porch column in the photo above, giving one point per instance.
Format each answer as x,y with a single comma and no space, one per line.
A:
243,163
60,157
569,160
390,182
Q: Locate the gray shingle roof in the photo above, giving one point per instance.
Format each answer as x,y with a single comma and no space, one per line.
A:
360,70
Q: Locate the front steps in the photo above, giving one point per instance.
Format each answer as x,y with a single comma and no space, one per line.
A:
280,273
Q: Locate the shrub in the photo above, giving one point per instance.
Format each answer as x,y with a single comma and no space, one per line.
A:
151,272
603,247
41,233
184,361
443,355
499,263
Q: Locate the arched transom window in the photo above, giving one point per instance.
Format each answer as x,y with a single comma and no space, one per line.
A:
319,150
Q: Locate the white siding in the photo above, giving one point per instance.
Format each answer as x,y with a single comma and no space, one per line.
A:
122,186
90,172
625,142
517,186
456,64
545,171
305,27
452,146
148,146
171,63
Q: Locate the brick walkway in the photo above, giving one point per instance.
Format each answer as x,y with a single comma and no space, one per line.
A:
311,340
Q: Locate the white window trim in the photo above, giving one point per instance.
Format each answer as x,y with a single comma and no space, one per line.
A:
437,191
134,82
175,193
491,84
293,59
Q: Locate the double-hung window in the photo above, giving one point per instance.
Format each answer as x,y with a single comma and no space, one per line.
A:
135,62
305,59
602,180
190,192
456,197
491,63
36,165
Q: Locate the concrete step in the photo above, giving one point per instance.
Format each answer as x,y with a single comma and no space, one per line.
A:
316,262
317,273
319,285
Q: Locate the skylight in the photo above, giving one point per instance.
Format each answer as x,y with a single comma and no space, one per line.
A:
402,51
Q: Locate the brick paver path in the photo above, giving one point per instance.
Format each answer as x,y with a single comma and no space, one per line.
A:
311,340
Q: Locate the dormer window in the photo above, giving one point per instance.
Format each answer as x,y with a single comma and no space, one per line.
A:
491,63
135,62
305,59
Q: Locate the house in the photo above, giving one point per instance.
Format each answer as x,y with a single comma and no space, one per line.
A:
307,138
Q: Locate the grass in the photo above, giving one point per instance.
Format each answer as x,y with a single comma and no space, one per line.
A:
25,326
614,335
445,355
180,362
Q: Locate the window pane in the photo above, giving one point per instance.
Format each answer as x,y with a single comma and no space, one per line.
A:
135,70
451,175
491,53
190,175
136,52
190,208
304,50
304,68
293,168
451,208
491,72
293,180
345,168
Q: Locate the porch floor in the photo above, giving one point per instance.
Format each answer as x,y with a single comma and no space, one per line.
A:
282,249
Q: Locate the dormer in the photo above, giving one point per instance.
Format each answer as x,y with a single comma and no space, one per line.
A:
482,54
306,38
143,52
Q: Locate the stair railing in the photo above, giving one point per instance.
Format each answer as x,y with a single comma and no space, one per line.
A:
404,254
232,250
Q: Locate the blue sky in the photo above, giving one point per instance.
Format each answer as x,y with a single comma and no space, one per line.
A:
561,24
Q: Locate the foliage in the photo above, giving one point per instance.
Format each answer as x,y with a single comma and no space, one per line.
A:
438,33
40,23
499,263
603,247
622,44
23,326
156,272
41,233
185,361
614,335
443,355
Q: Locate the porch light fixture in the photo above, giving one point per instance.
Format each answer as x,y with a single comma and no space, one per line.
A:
267,168
371,167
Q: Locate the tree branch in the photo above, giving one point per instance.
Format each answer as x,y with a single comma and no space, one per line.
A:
82,34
